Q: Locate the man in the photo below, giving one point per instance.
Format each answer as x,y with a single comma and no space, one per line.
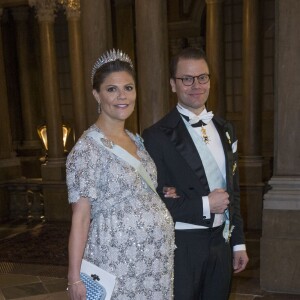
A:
196,153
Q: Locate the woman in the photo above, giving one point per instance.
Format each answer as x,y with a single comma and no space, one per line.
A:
118,222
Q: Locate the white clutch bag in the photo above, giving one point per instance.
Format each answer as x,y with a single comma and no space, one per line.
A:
99,283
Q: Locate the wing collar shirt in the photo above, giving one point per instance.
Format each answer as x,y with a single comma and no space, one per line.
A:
216,149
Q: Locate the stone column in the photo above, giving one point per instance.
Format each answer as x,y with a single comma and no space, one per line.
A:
152,60
6,149
97,38
45,14
216,55
280,243
29,114
124,40
53,171
251,163
9,164
77,71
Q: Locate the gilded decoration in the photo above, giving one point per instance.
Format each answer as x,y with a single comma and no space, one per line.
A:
70,4
72,7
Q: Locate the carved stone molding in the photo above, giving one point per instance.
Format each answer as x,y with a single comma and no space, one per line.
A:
70,4
45,9
72,8
72,14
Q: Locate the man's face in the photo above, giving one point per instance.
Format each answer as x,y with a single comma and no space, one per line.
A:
195,96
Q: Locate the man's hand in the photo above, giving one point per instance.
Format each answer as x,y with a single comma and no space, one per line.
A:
240,260
218,201
170,192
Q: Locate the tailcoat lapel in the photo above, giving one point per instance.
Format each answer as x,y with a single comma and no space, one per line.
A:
226,137
177,133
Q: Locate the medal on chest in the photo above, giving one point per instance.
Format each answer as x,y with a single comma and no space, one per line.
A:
227,231
204,135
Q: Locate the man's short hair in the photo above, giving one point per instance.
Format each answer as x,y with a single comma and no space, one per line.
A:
186,53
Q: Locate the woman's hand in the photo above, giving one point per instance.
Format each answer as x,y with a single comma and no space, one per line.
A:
170,192
81,213
77,291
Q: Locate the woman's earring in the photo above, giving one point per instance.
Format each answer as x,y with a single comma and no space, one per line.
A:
99,108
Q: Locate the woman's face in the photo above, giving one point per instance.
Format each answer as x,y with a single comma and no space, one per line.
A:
117,96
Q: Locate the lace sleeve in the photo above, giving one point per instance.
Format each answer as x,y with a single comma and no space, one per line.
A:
81,171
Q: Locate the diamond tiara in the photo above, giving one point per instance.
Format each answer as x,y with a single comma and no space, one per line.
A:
109,56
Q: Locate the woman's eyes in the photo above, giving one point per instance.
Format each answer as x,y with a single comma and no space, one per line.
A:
127,88
111,89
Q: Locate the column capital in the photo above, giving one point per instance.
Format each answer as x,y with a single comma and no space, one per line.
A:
72,8
45,9
73,14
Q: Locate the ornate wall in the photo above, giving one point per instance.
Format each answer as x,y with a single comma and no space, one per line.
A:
79,36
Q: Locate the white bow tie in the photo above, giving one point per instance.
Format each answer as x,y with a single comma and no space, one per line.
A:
205,118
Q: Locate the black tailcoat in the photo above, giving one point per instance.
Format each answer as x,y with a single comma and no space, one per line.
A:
179,165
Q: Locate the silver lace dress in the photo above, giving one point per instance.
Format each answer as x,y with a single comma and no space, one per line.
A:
131,233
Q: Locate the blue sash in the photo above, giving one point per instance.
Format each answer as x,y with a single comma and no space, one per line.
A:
124,155
213,174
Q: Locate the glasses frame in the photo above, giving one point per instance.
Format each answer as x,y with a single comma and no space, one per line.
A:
182,78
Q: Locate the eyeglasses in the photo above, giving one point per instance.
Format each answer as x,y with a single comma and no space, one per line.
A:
189,80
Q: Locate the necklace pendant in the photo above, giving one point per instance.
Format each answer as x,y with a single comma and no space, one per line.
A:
204,135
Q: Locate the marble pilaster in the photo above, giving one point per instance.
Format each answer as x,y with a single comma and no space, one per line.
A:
251,163
53,171
46,16
97,39
77,71
215,52
152,60
9,164
6,149
280,244
29,113
124,39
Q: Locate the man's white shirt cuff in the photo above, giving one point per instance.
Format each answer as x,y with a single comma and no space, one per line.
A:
206,208
239,247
